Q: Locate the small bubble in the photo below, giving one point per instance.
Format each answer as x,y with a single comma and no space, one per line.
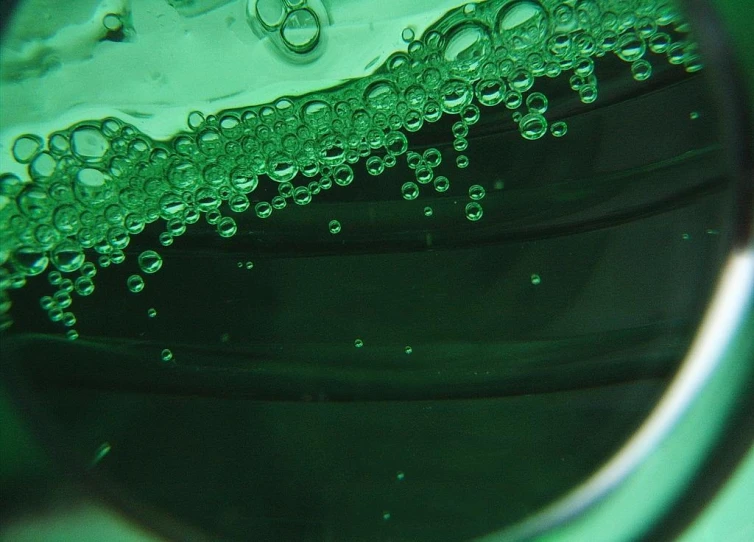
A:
135,283
358,343
686,236
249,265
239,265
428,211
559,129
400,475
476,192
474,211
334,227
410,191
166,355
694,115
151,312
535,279
72,334
441,183
407,35
150,261
385,515
408,350
462,161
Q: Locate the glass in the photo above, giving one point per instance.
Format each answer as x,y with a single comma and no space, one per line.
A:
306,277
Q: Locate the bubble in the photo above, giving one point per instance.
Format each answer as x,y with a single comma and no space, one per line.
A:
68,319
30,261
400,475
62,299
694,115
424,174
456,95
432,157
135,283
441,183
381,95
302,195
588,94
249,265
150,261
523,25
489,92
166,355
396,143
334,227
72,334
536,279
476,192
470,114
226,227
460,144
536,102
301,30
466,47
151,312
385,515
532,126
641,70
263,209
428,211
410,191
630,47
269,13
407,35
26,147
88,143
559,128
43,166
375,165
84,286
474,211
358,343
462,161
68,256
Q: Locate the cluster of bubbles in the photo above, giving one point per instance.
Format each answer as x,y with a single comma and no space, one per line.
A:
93,186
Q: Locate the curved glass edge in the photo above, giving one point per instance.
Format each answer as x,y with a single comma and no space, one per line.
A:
642,483
624,498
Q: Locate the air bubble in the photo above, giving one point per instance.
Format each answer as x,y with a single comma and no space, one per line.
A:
474,211
135,283
535,279
410,191
476,192
334,227
150,261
